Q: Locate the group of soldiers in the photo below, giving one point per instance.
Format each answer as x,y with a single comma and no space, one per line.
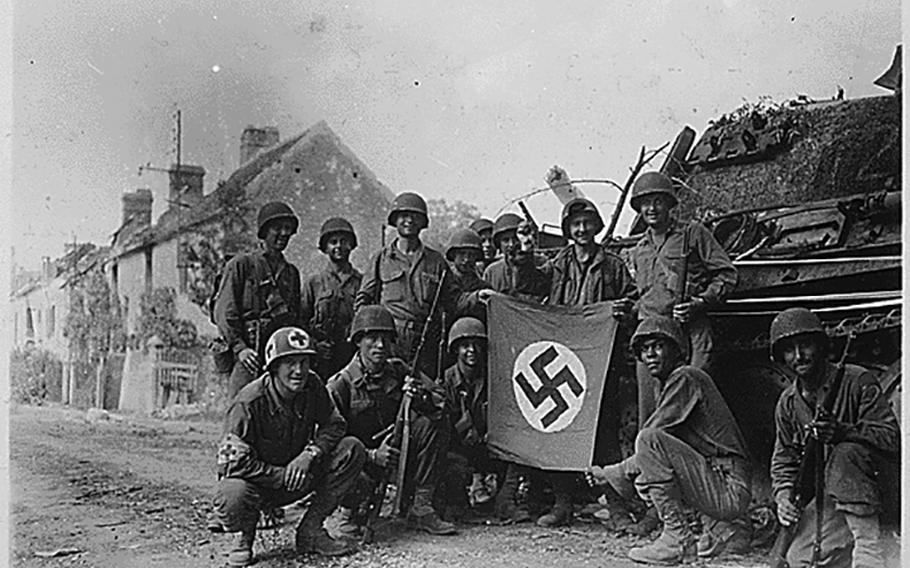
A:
325,372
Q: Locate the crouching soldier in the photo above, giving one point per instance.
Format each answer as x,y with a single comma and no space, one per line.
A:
862,439
368,392
465,385
690,452
284,439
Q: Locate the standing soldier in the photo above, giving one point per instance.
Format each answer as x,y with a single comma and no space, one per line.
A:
327,301
516,272
259,293
862,439
484,228
404,277
667,253
463,253
689,452
368,393
284,439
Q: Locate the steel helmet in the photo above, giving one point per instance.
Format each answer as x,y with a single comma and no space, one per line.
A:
791,322
273,211
288,341
481,225
658,326
463,239
577,206
466,327
336,225
372,318
408,201
649,183
505,222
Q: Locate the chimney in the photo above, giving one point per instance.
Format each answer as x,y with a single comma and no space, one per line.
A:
137,205
185,186
254,140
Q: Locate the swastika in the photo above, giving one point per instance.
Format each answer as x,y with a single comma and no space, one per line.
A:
549,383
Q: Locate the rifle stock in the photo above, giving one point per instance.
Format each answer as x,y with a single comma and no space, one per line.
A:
810,477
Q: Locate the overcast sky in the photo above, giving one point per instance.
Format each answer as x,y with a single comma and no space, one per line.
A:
472,100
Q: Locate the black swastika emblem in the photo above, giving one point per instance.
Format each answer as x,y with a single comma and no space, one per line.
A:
549,386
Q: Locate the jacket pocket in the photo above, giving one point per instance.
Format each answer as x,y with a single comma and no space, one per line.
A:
394,284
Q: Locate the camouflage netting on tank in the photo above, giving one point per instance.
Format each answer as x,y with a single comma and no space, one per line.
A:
838,148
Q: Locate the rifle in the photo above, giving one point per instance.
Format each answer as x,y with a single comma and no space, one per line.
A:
684,268
441,355
810,479
401,435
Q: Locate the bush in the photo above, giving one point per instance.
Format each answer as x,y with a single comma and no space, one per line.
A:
36,376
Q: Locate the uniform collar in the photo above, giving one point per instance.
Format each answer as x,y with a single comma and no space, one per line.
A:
277,404
395,253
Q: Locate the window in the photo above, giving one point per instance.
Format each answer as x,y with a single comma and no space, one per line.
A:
148,269
29,323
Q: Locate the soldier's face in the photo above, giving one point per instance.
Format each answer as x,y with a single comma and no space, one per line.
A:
408,223
659,356
803,355
464,260
583,229
469,352
508,242
291,373
655,210
486,243
278,234
375,347
338,246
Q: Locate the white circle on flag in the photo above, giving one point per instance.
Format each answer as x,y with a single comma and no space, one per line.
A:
549,382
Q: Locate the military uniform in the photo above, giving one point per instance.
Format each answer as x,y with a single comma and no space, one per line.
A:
327,308
468,303
262,434
710,276
520,280
370,404
862,474
259,293
406,284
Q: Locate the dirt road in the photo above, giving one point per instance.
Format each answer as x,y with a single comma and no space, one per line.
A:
125,491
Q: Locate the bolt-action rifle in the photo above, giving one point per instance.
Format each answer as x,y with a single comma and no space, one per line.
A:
401,433
810,478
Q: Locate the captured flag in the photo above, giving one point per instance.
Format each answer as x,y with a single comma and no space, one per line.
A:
547,369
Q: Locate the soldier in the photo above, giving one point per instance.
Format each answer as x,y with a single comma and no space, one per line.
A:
463,252
862,437
484,228
327,301
515,273
368,392
665,252
465,385
404,277
259,293
689,452
283,439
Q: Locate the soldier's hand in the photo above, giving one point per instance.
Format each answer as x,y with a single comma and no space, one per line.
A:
324,349
556,176
622,308
471,437
385,456
828,431
249,360
485,295
296,471
411,386
787,511
686,311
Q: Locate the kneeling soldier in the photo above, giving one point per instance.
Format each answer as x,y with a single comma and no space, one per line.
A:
465,385
368,392
689,452
862,437
283,440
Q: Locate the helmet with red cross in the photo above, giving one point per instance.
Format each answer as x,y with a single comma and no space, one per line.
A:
288,341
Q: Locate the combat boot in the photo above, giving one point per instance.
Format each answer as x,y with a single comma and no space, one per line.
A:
505,503
241,553
347,526
312,538
733,537
561,513
867,548
478,492
422,515
676,544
